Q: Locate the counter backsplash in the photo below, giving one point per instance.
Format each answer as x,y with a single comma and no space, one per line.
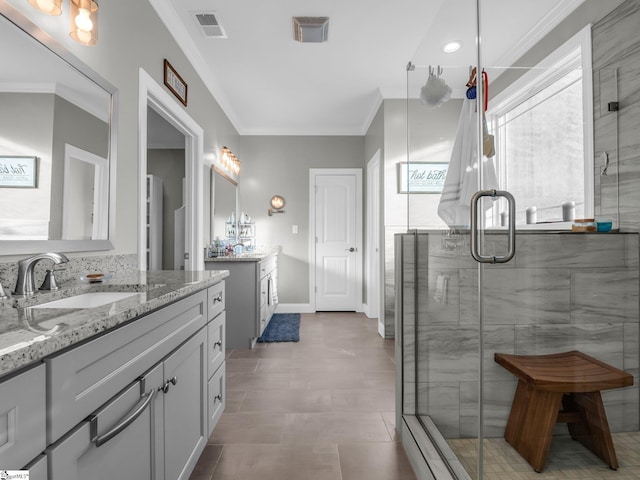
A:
76,267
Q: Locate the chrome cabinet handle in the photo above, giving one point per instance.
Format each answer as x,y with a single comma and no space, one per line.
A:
217,397
218,344
218,299
168,383
128,419
475,238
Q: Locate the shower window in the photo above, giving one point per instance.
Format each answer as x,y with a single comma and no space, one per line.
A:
542,129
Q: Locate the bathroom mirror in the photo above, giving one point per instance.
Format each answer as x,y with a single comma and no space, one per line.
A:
225,202
57,133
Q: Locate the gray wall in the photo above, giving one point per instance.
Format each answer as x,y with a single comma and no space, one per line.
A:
168,164
280,165
32,127
118,58
79,128
431,134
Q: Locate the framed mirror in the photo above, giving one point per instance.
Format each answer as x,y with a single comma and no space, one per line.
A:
225,202
57,145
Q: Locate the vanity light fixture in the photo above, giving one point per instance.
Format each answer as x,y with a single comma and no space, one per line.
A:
227,165
50,7
452,47
83,21
277,204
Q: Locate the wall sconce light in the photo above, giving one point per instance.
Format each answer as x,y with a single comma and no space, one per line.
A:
228,165
277,203
83,21
50,7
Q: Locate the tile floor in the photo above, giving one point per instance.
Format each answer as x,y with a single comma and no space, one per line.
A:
319,409
567,459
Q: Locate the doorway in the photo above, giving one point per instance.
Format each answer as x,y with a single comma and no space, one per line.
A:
153,96
336,239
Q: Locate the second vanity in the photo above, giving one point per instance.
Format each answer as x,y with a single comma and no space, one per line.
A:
129,389
252,295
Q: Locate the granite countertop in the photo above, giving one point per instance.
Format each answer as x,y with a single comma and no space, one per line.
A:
28,333
243,257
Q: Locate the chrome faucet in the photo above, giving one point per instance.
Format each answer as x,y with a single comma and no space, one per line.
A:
25,285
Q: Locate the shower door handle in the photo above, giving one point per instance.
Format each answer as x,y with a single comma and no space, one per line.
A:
475,238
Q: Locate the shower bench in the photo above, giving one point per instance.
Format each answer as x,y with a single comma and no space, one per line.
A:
571,380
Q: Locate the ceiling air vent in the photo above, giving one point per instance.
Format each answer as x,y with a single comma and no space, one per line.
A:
210,25
311,29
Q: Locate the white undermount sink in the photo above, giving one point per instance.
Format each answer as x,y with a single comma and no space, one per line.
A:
88,300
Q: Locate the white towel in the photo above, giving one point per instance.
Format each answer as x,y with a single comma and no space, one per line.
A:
462,176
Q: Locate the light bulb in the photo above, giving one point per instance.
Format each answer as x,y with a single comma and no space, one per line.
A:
83,36
47,6
50,7
83,20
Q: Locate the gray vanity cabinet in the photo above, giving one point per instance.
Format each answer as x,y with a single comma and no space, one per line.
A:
133,453
22,418
251,297
155,427
216,395
185,407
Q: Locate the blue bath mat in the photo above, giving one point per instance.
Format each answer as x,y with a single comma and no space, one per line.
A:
283,327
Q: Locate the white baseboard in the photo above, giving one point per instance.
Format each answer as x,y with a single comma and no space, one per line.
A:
381,328
295,308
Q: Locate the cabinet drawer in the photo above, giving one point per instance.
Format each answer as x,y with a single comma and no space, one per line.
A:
22,418
216,397
82,379
215,342
215,300
267,266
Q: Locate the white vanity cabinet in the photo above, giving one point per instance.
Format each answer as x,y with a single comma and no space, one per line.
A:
251,296
22,418
137,397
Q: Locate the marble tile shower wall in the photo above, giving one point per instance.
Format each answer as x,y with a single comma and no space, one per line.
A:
616,65
561,292
76,267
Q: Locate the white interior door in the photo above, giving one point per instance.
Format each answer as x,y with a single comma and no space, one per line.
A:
338,260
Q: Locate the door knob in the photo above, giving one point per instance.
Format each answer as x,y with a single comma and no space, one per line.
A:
352,249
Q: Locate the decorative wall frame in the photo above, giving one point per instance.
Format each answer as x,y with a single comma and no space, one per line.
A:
18,171
421,177
175,83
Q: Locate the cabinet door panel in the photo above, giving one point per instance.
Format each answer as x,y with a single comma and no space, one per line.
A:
22,418
130,454
216,342
217,397
185,407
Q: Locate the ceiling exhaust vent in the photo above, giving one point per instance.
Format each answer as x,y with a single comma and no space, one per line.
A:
311,29
210,25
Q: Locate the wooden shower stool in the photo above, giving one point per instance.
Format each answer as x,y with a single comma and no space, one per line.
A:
572,380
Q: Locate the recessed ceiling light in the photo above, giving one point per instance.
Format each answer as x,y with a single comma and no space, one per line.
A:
452,46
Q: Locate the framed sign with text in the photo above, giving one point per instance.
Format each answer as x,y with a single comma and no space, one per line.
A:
18,172
421,177
174,82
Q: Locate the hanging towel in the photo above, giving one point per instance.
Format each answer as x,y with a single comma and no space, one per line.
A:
462,176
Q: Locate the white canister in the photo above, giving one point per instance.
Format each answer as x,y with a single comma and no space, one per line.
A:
568,211
532,216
